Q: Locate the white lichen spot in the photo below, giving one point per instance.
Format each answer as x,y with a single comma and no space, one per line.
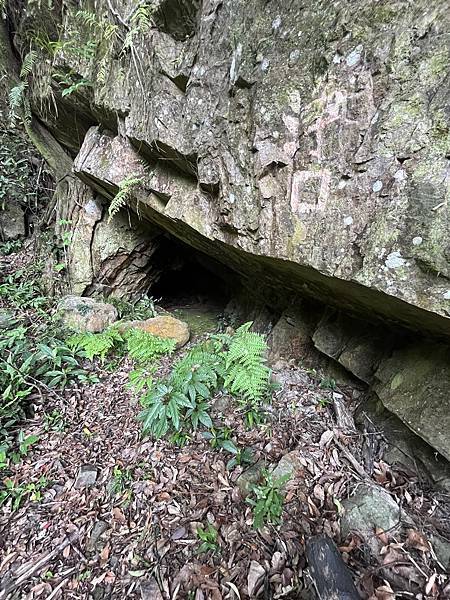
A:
342,184
394,260
400,175
417,240
276,23
231,198
374,119
377,186
354,57
447,295
348,221
295,101
265,64
337,59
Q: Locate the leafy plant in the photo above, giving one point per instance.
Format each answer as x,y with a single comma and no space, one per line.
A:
122,479
144,347
242,456
219,437
96,344
54,421
126,189
10,247
267,500
17,493
247,374
327,383
208,537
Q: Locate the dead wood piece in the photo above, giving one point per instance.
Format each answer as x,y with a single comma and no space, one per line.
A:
331,576
31,570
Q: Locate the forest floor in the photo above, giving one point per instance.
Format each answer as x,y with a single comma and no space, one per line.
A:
112,514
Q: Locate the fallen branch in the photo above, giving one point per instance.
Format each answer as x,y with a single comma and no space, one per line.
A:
331,576
31,570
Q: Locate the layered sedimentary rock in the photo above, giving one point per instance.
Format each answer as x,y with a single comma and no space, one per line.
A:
305,145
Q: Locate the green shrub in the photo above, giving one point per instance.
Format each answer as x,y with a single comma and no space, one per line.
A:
182,398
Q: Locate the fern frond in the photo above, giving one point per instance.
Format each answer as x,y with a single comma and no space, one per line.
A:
28,64
96,344
126,188
144,347
247,374
87,18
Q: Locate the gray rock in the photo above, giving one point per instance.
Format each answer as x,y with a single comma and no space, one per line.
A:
97,531
87,476
86,314
7,319
414,384
441,548
250,477
368,509
288,465
12,223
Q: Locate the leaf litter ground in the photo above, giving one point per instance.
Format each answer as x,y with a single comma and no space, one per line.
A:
131,533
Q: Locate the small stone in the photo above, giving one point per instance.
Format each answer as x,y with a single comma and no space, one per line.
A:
250,477
417,241
163,326
289,464
12,222
97,531
377,186
86,477
7,319
86,314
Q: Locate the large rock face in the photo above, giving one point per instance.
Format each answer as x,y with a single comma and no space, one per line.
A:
306,145
316,135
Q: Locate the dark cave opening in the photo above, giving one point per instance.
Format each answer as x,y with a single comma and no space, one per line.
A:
189,277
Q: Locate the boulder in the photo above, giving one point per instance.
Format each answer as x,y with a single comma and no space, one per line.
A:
370,508
163,326
414,384
12,221
86,314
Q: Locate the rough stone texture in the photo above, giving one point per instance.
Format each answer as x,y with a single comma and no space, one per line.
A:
86,314
7,319
87,476
404,448
12,221
312,138
368,509
414,384
291,335
288,465
355,345
163,326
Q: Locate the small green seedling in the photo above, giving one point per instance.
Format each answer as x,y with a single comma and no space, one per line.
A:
267,500
208,537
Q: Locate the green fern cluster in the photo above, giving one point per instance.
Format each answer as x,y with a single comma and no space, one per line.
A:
96,344
236,363
146,348
247,375
125,192
141,346
19,105
182,397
